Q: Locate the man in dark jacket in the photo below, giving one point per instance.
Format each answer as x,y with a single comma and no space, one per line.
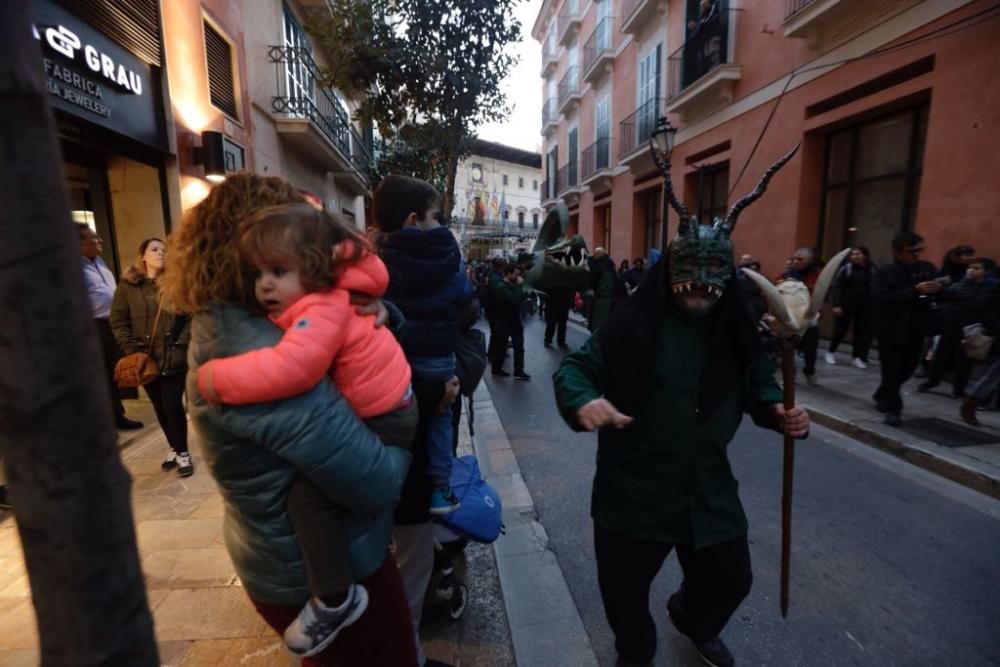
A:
902,294
557,303
508,295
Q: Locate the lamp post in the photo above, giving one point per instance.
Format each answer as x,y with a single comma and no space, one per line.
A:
661,145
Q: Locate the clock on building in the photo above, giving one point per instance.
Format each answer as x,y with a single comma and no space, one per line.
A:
477,173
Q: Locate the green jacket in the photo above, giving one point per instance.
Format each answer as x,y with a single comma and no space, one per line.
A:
666,478
507,299
255,452
133,311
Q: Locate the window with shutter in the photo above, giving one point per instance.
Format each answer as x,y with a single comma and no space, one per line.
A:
221,84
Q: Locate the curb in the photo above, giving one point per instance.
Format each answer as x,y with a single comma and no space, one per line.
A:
918,456
545,624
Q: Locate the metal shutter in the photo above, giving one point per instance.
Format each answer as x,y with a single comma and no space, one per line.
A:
221,86
134,24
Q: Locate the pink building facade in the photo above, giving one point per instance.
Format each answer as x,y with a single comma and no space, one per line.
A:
895,104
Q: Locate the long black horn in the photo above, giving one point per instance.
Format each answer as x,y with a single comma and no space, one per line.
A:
756,193
664,168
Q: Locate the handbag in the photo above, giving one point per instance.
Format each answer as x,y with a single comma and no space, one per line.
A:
139,368
976,343
470,359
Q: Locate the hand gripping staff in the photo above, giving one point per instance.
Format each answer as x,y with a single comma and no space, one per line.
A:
791,311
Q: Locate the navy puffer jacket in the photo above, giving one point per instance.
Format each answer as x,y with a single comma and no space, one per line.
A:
427,282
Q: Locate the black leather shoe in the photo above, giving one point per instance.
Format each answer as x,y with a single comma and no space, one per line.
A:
924,387
126,424
547,343
500,373
522,376
714,653
893,419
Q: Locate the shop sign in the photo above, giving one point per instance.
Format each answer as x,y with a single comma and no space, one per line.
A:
90,76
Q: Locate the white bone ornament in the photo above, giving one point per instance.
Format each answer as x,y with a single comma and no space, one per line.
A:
791,309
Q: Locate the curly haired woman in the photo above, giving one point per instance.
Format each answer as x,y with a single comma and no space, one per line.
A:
255,452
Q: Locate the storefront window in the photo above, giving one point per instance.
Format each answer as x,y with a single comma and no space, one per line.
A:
872,182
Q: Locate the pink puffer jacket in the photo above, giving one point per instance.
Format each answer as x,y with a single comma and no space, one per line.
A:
323,335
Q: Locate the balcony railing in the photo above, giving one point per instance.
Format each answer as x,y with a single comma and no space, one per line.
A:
567,177
299,97
708,46
569,85
550,113
636,14
793,6
596,157
569,21
634,131
600,44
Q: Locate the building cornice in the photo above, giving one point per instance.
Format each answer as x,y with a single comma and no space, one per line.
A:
543,13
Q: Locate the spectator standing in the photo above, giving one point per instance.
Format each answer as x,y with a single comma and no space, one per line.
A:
557,303
901,293
806,268
134,313
101,287
495,276
635,274
851,299
956,261
962,304
508,295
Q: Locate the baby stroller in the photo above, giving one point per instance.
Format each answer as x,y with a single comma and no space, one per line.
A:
478,518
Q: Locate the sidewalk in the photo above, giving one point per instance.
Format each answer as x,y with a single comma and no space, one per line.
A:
933,436
202,615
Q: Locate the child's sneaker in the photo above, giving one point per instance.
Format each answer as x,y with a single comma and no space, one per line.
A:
318,625
443,501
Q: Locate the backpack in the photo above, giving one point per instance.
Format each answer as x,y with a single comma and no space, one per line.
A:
479,517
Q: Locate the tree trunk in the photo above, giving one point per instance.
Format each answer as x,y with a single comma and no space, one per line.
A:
69,488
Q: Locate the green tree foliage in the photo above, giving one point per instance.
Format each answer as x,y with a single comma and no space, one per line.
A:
428,72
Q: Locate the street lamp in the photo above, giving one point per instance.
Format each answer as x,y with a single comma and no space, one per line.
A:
661,145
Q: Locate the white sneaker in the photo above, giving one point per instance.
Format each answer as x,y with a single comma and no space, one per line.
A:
318,625
830,359
860,365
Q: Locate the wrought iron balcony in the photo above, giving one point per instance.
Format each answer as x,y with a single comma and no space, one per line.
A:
550,115
634,131
569,90
637,14
815,19
702,72
550,56
299,104
793,6
599,50
595,172
569,21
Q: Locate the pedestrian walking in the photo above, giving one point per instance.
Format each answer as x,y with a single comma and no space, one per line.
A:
141,323
557,305
806,268
507,295
256,452
901,293
852,306
666,381
101,285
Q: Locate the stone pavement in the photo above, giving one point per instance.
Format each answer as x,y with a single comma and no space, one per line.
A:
202,616
933,435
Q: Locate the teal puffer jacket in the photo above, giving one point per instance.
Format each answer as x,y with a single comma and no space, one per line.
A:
255,452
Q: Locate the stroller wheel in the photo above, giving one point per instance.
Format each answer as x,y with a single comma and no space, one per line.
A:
457,607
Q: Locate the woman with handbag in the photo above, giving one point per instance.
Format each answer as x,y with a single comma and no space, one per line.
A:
155,342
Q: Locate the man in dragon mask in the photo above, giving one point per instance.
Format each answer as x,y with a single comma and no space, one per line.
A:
666,381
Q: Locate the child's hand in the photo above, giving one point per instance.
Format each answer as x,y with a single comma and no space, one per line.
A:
206,386
368,305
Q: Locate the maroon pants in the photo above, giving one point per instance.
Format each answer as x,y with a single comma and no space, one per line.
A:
382,636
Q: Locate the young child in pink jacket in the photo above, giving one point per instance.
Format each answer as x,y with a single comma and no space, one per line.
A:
307,264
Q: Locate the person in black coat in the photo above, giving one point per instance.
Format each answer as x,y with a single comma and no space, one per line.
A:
852,304
901,293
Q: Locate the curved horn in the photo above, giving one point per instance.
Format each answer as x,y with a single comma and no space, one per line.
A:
664,167
823,283
756,193
775,304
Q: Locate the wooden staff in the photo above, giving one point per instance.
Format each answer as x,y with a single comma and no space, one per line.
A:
788,376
